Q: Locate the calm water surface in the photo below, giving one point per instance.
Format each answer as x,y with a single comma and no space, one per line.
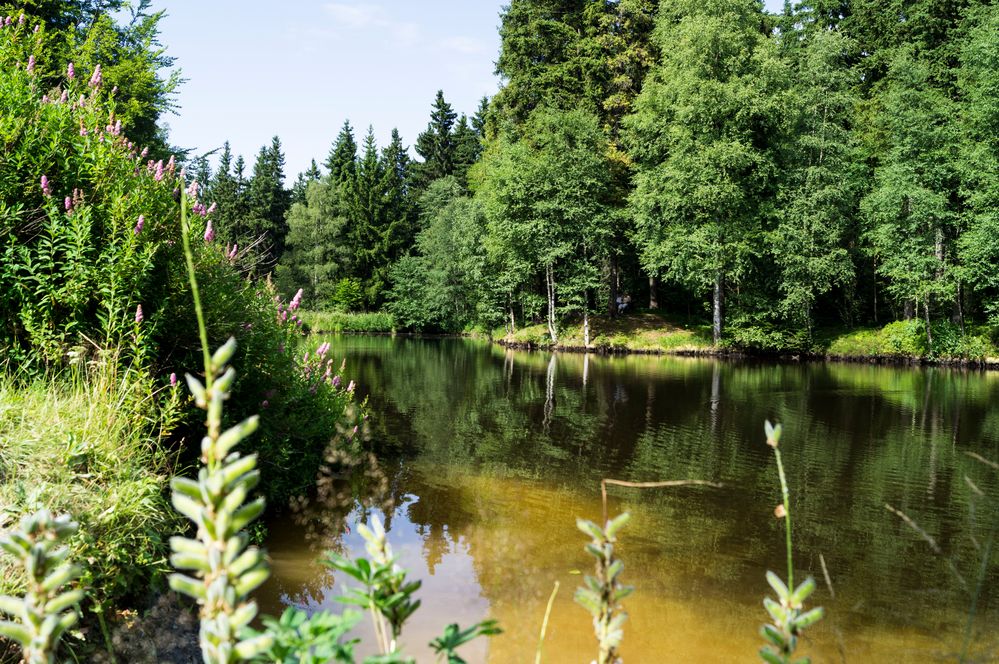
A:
488,456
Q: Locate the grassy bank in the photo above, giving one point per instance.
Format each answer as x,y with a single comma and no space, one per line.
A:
91,448
649,332
319,322
642,332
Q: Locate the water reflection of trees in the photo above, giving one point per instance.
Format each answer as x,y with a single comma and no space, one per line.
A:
858,437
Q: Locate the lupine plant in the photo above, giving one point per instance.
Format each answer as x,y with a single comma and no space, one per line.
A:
787,613
386,593
225,569
48,609
602,593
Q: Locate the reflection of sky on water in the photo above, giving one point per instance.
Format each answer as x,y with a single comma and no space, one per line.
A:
490,456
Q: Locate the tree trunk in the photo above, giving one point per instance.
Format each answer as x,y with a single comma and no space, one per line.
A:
910,310
513,321
586,327
653,293
612,296
958,316
929,332
550,279
716,323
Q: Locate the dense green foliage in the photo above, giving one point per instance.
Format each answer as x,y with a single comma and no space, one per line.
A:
96,318
833,166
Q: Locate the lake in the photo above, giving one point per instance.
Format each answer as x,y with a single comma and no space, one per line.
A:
487,456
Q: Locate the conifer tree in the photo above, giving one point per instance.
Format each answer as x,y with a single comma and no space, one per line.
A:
467,148
299,189
341,164
268,204
436,145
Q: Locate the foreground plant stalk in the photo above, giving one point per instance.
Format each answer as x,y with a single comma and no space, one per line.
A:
787,613
46,611
224,569
603,592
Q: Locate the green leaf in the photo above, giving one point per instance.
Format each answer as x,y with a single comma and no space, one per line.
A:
802,592
810,618
769,657
775,582
617,523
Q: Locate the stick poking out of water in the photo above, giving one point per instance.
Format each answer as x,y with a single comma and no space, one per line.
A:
544,623
929,540
825,573
650,485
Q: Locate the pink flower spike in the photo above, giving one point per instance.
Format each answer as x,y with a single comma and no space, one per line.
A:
192,190
139,224
144,153
95,80
171,165
21,19
38,26
173,380
138,315
350,386
69,204
159,171
209,232
211,208
31,64
233,252
336,381
114,90
46,189
295,301
70,72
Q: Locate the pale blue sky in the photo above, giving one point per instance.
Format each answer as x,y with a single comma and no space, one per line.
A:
298,69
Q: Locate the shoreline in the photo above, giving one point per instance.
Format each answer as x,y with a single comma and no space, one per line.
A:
986,364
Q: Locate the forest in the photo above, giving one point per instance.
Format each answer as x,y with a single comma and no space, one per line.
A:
772,176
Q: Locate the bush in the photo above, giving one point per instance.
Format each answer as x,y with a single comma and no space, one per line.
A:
347,295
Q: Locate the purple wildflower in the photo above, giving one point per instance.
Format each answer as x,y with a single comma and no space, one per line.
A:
192,189
233,252
336,381
265,403
171,165
350,386
209,232
38,26
64,97
173,380
211,208
199,208
31,64
159,171
139,224
295,301
70,72
144,153
69,204
95,80
46,189
21,19
138,314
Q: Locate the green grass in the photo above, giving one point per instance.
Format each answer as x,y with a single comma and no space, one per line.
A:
336,321
639,332
908,339
89,447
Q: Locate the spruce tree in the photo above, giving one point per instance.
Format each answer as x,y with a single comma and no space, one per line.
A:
436,145
299,189
268,204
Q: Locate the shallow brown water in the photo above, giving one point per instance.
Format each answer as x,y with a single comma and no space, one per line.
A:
490,455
